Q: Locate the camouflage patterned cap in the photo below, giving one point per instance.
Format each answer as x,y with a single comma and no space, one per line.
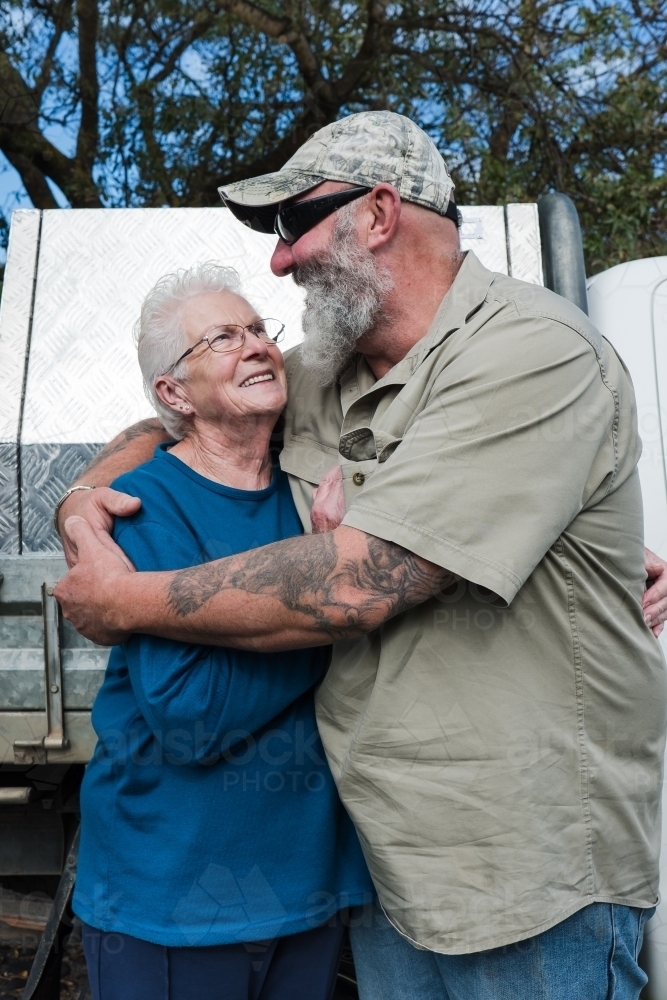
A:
362,149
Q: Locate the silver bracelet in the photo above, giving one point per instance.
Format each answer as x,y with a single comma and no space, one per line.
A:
66,494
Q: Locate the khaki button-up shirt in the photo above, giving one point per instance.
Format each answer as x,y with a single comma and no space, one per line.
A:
500,746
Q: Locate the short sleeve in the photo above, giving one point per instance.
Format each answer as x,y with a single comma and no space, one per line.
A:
513,438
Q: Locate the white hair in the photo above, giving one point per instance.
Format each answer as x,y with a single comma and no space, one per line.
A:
160,333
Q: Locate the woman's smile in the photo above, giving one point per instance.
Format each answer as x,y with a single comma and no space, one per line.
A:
254,379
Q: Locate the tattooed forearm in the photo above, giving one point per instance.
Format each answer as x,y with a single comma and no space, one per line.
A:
282,567
151,426
395,572
343,590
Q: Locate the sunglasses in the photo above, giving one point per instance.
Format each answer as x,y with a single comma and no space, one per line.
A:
294,221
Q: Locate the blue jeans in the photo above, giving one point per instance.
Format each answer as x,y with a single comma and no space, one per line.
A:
590,956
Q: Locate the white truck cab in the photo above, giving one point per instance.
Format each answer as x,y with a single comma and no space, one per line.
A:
628,304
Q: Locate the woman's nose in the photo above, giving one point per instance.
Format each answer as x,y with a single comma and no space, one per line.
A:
254,347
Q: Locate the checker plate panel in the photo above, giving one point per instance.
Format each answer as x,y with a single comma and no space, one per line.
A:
95,266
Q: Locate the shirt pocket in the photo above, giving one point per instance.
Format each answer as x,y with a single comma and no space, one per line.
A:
362,450
307,460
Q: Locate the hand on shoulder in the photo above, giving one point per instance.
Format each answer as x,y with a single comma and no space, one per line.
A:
98,507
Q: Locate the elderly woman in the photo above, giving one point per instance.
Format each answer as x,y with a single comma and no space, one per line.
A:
216,857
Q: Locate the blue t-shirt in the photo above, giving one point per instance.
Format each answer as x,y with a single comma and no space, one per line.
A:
209,813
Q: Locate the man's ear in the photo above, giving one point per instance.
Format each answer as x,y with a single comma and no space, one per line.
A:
384,206
173,394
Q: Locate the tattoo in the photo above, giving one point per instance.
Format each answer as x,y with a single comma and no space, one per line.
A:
149,426
342,596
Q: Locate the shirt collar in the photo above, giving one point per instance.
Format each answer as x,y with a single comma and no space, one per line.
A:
469,290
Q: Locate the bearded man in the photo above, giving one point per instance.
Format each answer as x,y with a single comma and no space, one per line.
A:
494,713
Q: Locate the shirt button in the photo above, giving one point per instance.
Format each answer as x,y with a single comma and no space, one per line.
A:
358,479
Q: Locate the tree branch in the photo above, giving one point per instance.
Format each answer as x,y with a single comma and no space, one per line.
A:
23,144
18,105
146,106
323,100
359,65
200,27
87,139
283,30
33,179
301,131
60,19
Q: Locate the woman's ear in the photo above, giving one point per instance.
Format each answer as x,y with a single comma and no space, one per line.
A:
173,394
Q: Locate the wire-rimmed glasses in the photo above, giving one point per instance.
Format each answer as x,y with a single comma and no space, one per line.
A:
231,337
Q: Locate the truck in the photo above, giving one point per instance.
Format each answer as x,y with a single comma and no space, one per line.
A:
70,381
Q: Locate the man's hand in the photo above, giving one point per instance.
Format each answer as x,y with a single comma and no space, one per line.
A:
128,449
328,502
85,594
655,597
98,507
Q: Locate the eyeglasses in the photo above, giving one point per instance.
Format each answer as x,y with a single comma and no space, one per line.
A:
230,337
295,220
292,222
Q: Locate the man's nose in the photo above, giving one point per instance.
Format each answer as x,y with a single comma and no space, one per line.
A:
282,261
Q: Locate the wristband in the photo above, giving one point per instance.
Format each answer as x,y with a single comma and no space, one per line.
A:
64,497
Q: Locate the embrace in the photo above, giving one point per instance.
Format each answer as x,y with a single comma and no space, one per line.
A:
417,539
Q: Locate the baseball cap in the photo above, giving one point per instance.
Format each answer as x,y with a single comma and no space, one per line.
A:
363,149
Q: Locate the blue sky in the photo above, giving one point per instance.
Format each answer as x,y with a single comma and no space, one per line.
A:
14,195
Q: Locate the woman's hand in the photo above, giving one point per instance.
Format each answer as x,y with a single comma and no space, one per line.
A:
655,596
328,502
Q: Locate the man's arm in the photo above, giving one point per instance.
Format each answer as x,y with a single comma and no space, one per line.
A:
126,451
303,591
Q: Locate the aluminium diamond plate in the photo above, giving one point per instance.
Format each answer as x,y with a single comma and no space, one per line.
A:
483,232
523,243
83,381
46,472
96,266
84,384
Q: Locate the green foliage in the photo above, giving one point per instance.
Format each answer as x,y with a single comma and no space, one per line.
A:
522,97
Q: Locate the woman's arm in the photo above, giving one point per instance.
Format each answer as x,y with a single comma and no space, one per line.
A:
655,597
205,698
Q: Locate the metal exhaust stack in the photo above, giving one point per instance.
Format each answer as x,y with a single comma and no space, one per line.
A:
562,248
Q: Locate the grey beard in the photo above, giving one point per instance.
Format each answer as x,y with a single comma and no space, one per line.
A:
345,293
